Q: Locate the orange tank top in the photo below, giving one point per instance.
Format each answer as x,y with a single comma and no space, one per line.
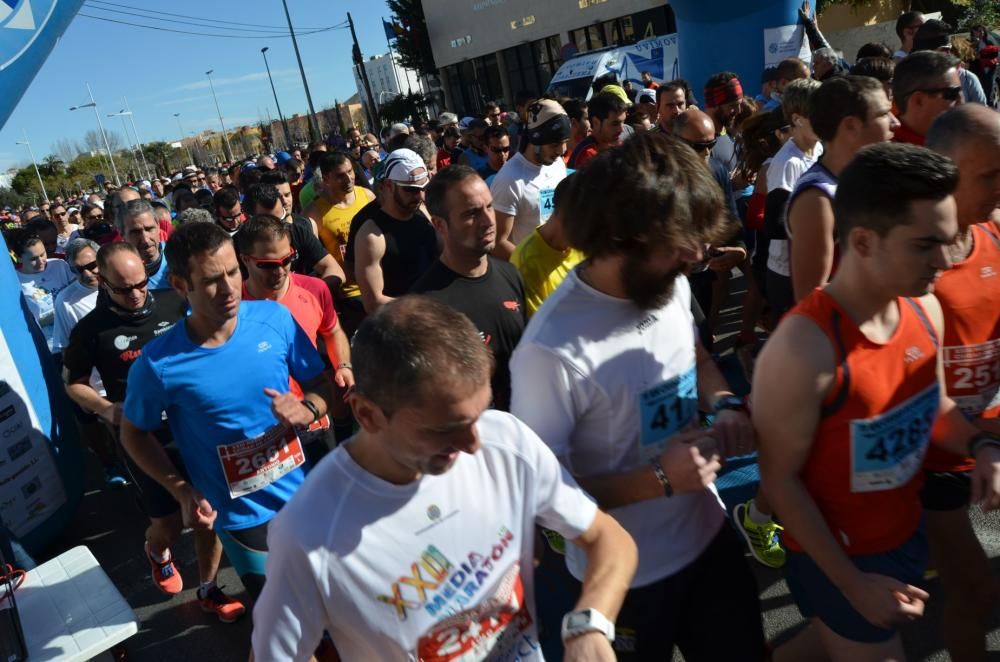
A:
864,469
969,293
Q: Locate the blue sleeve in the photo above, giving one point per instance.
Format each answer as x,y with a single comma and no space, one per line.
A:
145,399
304,362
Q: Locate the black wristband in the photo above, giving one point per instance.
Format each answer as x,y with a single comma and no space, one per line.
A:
661,475
311,406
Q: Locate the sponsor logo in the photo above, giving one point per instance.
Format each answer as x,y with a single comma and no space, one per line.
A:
122,342
263,346
912,354
987,272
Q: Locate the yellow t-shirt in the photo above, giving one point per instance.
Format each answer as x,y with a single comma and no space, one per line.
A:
334,229
542,268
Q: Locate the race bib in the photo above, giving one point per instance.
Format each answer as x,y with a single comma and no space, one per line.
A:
972,373
546,203
664,410
887,450
252,464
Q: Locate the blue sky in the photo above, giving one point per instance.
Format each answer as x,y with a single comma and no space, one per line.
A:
163,73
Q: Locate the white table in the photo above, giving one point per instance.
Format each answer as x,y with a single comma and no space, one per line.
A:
70,610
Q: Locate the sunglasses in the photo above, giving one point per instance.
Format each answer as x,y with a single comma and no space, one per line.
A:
950,93
271,265
90,266
232,219
59,214
409,189
706,146
500,150
96,218
126,289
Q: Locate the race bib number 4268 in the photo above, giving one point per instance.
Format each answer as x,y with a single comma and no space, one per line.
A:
252,464
887,450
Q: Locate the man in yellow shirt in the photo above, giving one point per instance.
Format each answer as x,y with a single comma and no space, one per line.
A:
332,212
544,258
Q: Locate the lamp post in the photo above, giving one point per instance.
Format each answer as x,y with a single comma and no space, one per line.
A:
131,145
27,144
284,124
181,129
225,136
100,125
313,124
135,132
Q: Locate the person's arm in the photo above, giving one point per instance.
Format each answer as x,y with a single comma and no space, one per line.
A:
330,271
338,348
811,25
732,429
505,246
791,378
369,249
78,365
810,218
83,394
612,558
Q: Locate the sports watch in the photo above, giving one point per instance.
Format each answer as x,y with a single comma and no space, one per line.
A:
583,621
731,402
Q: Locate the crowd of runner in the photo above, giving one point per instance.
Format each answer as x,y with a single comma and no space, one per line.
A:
413,384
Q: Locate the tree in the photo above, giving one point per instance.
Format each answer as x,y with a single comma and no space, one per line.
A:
159,154
979,12
413,43
51,166
66,149
404,107
93,141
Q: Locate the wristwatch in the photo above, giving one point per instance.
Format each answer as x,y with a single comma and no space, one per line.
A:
311,406
730,402
583,621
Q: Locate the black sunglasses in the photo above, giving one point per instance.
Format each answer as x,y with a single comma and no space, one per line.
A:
706,146
950,93
99,217
127,289
90,266
500,150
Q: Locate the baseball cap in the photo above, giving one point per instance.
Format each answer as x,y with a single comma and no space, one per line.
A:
281,158
404,166
72,210
398,129
444,119
647,96
189,170
464,124
618,91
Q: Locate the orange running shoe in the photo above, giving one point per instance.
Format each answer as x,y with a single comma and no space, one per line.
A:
165,575
216,602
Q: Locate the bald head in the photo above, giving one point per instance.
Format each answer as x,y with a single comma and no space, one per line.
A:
697,129
962,127
970,135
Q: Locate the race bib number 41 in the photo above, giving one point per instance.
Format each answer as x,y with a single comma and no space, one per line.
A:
664,410
252,464
887,450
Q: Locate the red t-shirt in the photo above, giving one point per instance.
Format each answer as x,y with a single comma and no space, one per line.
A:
905,134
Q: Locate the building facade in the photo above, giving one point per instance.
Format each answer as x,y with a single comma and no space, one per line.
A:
388,80
489,50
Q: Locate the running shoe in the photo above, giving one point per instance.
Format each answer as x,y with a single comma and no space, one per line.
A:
761,538
216,602
165,575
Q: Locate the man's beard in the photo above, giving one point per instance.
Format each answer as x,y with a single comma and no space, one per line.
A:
645,290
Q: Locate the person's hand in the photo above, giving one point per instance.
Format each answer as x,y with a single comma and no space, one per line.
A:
196,511
589,647
727,257
344,377
886,602
986,478
804,14
690,461
734,432
289,410
112,414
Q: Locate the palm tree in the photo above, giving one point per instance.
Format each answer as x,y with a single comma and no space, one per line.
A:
159,153
51,166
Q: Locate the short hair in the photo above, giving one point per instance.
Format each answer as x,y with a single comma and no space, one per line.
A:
876,189
191,240
412,343
561,191
932,35
107,251
488,106
40,225
26,241
904,21
838,98
134,208
451,131
424,147
918,70
274,177
601,82
436,193
261,227
881,69
650,171
74,247
791,69
226,197
956,127
873,49
330,161
195,215
796,97
677,84
575,108
496,133
826,54
602,105
770,75
265,195
249,177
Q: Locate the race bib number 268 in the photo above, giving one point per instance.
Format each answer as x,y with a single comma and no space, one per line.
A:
252,464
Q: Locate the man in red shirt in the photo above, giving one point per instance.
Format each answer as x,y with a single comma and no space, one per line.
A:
266,251
607,118
924,85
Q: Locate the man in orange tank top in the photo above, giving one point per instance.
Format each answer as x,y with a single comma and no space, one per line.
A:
969,293
846,394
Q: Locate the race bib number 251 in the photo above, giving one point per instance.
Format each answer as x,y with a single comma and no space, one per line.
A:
252,464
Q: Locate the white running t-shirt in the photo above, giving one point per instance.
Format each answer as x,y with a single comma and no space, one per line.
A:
526,191
605,384
439,569
788,165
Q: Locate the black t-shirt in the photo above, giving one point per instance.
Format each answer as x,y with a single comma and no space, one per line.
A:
105,340
410,247
495,304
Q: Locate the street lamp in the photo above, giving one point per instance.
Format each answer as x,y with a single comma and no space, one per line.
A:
135,132
181,129
131,145
225,136
100,125
313,122
284,124
34,163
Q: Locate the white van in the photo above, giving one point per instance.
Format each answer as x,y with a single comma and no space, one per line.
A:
657,55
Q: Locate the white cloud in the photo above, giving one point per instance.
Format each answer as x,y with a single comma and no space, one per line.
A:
224,82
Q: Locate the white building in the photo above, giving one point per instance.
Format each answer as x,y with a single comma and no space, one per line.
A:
387,79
